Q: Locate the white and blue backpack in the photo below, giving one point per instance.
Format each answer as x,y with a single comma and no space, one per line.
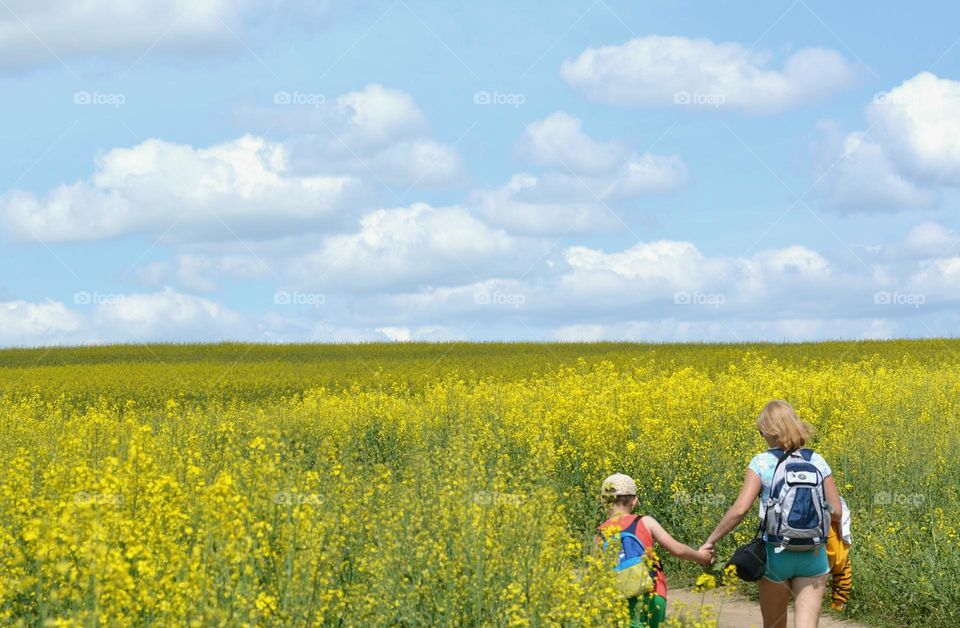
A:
798,515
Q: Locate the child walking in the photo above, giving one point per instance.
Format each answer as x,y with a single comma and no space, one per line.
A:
639,571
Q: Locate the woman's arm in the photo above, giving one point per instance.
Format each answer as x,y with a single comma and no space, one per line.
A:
733,517
675,547
833,497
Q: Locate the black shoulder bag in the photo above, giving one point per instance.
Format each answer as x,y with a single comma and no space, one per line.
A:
751,559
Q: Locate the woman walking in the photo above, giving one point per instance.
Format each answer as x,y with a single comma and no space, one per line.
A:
796,567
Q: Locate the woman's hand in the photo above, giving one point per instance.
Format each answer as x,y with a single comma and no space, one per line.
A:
705,557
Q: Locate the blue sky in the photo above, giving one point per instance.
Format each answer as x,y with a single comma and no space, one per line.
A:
293,171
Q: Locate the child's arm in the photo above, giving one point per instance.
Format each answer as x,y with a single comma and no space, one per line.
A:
675,547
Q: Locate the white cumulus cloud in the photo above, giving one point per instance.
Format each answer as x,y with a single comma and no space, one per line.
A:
37,32
919,124
559,141
531,205
26,323
584,179
166,315
376,132
865,178
908,154
241,187
665,70
931,239
419,244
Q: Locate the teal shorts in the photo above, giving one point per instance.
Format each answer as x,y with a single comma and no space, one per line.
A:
786,564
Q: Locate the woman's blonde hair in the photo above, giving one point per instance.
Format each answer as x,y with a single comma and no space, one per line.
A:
780,421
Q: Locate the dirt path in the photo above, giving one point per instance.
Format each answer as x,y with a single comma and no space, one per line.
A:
736,611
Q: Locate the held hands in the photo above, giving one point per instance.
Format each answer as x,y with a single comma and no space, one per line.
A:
706,554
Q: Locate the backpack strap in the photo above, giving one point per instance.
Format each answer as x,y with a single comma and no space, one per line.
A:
658,564
630,528
807,454
783,455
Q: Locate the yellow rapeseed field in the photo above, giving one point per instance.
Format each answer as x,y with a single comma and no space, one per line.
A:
443,484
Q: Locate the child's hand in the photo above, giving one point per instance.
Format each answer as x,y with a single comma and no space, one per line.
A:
705,556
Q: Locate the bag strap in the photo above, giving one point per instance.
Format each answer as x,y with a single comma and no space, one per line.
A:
766,512
627,529
658,564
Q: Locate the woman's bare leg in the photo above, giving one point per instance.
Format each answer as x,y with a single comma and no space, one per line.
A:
774,597
809,597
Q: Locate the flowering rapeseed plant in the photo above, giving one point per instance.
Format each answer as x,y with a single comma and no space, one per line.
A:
177,494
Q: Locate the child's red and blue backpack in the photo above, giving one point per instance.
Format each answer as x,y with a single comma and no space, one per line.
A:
635,574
